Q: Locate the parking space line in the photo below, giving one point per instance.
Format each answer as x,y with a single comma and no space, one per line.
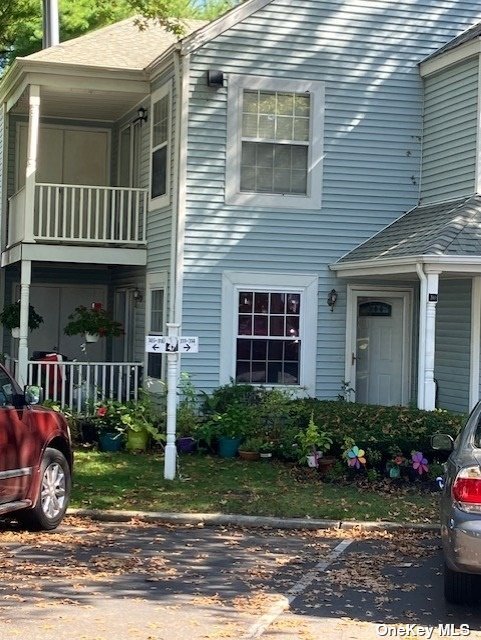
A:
278,608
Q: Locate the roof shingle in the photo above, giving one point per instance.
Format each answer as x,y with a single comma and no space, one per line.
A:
121,46
446,228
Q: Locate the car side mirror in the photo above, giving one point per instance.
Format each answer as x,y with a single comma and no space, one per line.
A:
442,442
33,394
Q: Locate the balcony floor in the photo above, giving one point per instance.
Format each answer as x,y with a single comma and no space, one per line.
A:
48,252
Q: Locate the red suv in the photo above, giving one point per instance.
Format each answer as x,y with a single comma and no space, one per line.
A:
35,457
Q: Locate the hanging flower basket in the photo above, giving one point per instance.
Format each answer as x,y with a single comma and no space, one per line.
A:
92,322
10,318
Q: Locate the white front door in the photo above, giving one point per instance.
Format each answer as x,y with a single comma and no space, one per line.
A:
380,348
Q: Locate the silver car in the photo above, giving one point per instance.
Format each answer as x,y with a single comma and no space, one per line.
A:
461,511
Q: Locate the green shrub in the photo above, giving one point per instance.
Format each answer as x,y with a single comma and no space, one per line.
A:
383,432
379,429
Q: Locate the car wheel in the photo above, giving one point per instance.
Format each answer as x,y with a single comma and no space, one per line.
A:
460,588
53,493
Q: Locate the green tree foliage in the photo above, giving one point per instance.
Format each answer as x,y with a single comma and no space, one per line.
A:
169,13
21,20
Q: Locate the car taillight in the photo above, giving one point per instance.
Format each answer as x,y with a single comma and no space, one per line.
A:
467,489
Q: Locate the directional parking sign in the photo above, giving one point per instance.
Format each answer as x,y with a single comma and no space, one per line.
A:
171,344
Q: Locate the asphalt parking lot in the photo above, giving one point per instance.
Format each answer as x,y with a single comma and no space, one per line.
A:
97,581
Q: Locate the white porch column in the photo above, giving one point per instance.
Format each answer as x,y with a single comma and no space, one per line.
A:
430,340
32,148
25,279
475,341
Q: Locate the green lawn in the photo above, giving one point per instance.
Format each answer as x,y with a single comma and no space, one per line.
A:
211,484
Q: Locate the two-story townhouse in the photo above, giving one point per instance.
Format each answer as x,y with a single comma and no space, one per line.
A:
270,143
434,251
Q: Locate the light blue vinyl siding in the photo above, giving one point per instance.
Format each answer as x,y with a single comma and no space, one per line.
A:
450,128
159,228
453,335
367,55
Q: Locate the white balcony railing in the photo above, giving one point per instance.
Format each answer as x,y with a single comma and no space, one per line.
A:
80,214
77,384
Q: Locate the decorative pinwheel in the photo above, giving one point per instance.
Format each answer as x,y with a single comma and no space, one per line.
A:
420,464
355,457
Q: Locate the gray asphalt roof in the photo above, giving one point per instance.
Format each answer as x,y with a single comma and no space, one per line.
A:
470,34
446,228
122,45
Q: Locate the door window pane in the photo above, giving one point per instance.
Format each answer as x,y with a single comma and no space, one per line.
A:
154,360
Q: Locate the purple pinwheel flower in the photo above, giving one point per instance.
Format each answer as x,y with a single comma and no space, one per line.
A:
420,464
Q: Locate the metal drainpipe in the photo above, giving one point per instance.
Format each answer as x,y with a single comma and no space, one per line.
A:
50,23
422,332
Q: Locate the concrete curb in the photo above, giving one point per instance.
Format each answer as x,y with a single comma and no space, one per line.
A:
216,519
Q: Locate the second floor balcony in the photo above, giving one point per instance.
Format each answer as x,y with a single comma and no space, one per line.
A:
78,215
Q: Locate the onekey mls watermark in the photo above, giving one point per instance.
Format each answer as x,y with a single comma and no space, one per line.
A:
422,631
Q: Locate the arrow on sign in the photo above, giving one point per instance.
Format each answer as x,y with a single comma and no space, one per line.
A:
155,347
187,347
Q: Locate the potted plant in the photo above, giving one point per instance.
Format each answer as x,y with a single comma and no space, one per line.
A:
133,423
92,323
232,426
10,318
250,448
188,418
313,442
266,449
106,417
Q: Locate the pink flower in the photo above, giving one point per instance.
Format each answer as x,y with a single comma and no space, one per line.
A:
102,411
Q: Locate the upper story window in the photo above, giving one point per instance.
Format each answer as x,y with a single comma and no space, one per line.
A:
160,146
274,150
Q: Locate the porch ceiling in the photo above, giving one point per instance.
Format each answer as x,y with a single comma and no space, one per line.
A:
446,234
85,104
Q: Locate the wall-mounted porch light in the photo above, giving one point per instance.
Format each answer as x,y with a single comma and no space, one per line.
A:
141,115
137,295
332,299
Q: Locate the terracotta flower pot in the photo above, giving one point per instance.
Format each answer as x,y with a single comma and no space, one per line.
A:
249,455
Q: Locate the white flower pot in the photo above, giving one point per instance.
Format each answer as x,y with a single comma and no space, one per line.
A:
312,460
91,337
15,332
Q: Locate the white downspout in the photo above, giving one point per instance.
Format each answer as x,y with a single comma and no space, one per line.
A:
475,341
422,332
182,67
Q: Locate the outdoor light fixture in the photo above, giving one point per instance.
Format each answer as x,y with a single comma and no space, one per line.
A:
141,115
137,295
215,78
332,298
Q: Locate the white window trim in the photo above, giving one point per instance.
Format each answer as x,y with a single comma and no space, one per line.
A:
163,200
233,194
305,284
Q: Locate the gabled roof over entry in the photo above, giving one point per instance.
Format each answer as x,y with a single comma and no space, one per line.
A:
470,34
443,229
